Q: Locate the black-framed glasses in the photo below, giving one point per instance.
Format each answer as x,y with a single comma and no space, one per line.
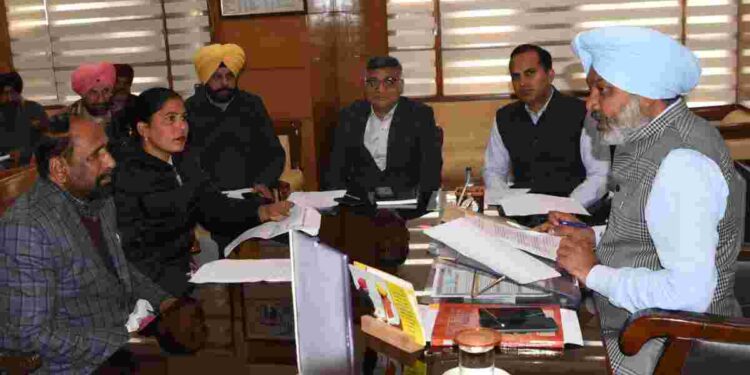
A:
388,82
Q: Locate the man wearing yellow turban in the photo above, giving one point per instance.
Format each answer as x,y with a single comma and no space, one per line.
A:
229,128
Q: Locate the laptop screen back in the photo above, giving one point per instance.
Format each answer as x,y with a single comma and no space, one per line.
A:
322,307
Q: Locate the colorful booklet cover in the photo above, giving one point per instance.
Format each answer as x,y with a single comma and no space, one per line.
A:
394,299
520,327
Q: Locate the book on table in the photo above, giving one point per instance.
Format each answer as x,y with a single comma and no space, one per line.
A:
530,328
393,298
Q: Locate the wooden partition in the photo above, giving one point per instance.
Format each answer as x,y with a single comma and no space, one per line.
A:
307,65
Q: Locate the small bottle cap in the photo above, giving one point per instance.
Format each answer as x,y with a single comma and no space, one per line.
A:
478,338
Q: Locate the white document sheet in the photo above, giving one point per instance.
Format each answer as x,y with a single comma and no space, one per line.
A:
244,271
540,244
571,328
540,204
428,315
399,202
237,194
141,310
316,199
492,197
301,218
465,236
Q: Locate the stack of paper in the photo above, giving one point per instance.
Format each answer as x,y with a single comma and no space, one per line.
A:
301,218
468,237
244,271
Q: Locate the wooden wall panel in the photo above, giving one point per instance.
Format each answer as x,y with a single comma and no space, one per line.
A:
5,54
323,85
466,128
269,42
285,91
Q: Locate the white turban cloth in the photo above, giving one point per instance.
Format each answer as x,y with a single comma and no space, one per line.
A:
639,60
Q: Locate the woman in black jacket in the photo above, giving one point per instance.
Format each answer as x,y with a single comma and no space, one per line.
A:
161,194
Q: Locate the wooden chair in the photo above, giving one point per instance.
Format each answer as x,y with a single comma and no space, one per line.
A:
696,343
19,364
13,183
288,132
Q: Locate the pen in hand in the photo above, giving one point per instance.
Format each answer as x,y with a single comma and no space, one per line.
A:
573,224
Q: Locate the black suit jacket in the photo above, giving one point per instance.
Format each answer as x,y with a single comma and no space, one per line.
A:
414,157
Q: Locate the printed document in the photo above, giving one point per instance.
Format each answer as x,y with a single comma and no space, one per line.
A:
540,204
540,244
244,271
467,237
302,218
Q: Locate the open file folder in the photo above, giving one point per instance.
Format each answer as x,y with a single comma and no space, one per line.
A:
561,290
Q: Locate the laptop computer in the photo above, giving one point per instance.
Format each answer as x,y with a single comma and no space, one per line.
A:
322,307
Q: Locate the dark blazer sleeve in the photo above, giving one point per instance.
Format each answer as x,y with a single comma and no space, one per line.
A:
335,176
147,289
224,215
214,210
431,148
269,151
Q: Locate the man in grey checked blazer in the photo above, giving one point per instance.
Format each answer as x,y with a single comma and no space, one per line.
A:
675,227
66,290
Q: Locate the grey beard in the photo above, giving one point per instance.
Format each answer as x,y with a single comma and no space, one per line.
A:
628,121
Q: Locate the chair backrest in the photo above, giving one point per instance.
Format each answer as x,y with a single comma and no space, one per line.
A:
288,132
13,183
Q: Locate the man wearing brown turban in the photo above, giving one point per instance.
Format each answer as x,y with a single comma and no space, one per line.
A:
229,128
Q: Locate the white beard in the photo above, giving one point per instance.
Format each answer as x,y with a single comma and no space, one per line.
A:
615,130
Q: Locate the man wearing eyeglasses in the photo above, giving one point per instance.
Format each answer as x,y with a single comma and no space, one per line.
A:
385,140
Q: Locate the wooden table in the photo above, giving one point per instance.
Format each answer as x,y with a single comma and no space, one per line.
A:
354,233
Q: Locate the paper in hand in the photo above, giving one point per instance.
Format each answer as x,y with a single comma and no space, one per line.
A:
300,218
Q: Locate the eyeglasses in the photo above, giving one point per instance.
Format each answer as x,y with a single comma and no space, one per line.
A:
388,82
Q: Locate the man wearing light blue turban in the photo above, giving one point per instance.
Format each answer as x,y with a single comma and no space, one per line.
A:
673,234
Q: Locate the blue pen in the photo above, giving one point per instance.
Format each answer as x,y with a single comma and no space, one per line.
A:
573,224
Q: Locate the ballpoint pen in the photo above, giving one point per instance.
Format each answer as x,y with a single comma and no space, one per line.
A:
573,224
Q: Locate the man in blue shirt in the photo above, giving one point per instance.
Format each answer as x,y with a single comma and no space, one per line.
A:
673,233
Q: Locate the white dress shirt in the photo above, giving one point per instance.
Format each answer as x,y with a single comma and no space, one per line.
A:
688,198
594,155
376,136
